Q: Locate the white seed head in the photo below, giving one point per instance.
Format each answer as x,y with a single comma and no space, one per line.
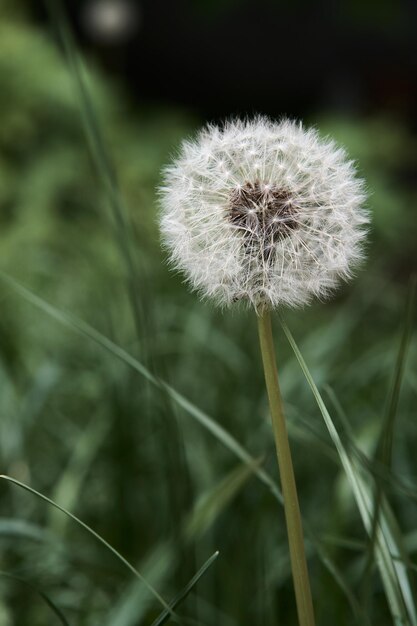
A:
263,212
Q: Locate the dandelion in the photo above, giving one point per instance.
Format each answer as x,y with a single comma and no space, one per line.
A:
264,213
268,214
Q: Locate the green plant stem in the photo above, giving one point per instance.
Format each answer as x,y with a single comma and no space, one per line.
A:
289,490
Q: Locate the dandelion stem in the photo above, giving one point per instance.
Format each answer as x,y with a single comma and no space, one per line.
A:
289,488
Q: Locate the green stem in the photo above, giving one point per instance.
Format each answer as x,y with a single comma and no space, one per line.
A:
289,489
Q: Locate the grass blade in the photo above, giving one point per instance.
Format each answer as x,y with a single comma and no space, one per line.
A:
212,502
209,506
211,425
221,434
92,532
381,473
384,450
383,454
104,166
40,593
162,619
11,527
391,566
70,482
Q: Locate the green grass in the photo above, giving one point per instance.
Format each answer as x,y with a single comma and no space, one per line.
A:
141,412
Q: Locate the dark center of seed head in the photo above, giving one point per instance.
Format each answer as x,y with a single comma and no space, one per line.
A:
263,211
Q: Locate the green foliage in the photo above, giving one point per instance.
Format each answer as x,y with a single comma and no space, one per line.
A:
161,442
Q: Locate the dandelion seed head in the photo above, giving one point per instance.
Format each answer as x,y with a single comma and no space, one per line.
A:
267,213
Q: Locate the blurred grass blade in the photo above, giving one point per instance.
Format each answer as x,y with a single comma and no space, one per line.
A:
211,503
70,481
165,615
224,437
391,566
340,412
383,453
221,434
374,467
359,613
133,604
211,425
92,532
384,450
40,593
104,166
11,527
206,511
131,607
100,155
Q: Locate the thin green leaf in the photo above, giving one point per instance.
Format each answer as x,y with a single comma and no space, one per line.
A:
337,575
11,527
391,566
379,472
71,480
92,532
57,611
211,425
222,435
162,619
384,450
99,153
132,606
383,454
210,504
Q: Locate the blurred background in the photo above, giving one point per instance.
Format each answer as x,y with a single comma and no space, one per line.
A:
79,164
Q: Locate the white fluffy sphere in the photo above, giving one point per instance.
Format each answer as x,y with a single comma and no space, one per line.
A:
263,212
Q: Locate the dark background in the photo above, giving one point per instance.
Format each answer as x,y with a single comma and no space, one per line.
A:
295,58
